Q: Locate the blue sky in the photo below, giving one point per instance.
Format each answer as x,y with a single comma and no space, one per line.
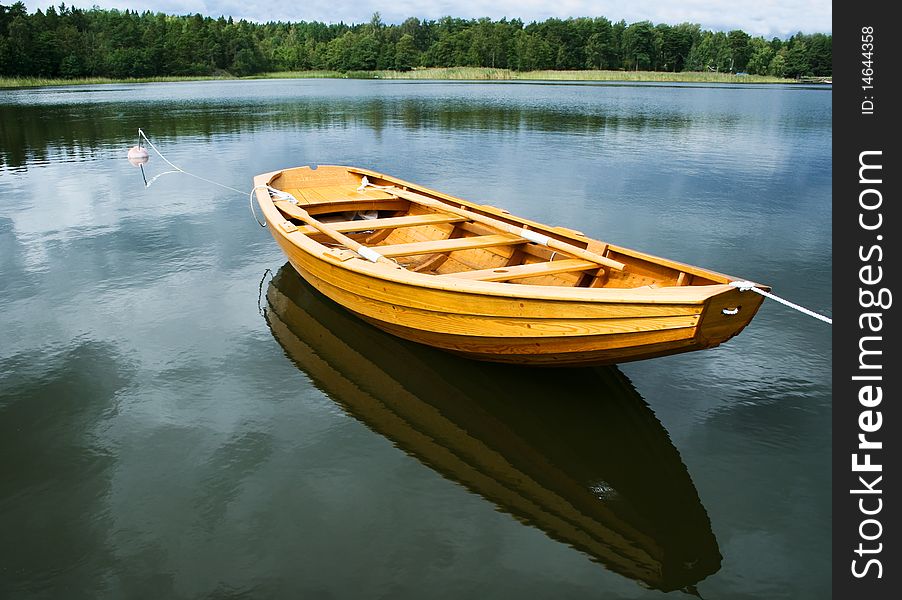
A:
758,17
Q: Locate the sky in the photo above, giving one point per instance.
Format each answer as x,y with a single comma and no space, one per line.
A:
769,18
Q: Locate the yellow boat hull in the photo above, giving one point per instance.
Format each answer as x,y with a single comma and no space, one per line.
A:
546,320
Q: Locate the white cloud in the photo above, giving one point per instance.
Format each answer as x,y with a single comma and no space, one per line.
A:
757,17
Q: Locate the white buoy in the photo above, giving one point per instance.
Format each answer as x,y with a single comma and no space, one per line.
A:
137,155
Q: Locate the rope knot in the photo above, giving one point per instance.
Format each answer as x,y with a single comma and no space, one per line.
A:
743,286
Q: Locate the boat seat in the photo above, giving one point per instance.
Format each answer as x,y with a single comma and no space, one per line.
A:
522,271
290,209
387,223
319,195
448,245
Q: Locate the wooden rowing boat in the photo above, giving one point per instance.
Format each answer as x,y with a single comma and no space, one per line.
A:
595,470
475,280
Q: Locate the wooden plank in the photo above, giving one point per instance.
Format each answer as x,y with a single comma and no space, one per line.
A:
431,263
387,223
347,198
706,274
478,328
398,205
449,245
530,270
313,195
557,245
335,193
299,194
305,177
289,209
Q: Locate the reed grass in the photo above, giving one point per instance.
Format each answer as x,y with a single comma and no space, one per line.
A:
437,74
448,73
482,73
685,76
23,82
307,75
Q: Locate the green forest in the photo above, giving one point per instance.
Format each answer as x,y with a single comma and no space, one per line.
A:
67,42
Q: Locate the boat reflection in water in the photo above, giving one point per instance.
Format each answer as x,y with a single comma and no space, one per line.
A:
576,453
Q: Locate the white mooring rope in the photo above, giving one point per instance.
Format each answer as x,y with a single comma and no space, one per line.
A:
178,169
745,286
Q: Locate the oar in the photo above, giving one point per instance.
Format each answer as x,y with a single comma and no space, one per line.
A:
527,234
367,253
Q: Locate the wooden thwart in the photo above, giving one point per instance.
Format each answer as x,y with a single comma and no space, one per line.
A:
291,209
387,223
449,245
522,271
337,194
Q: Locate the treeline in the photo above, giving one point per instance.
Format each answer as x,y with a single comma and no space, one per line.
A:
71,42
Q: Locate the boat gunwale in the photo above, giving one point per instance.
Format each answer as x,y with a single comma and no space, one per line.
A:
690,294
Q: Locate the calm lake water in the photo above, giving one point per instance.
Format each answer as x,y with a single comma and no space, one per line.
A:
176,423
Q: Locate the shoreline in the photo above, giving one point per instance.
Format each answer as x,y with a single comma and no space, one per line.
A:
435,74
